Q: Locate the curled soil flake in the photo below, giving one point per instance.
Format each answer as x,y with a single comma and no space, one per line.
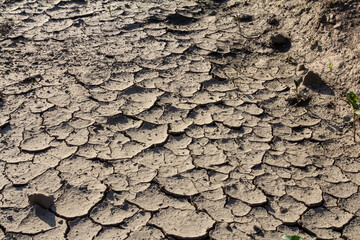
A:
183,223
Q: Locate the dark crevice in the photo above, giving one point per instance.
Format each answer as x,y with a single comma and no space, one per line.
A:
3,228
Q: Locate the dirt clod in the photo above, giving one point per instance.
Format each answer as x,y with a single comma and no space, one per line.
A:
301,67
279,39
311,78
41,199
244,17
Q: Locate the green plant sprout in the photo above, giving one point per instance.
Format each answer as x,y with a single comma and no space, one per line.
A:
237,20
290,60
292,237
297,84
353,100
330,66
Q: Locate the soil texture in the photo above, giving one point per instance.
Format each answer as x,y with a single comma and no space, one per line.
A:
162,119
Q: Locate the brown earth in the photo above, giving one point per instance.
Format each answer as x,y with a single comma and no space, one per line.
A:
161,119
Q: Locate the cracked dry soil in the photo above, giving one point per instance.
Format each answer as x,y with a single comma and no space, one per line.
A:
161,119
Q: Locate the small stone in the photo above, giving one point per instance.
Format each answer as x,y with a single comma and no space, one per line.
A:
312,78
43,200
338,26
279,39
301,67
331,19
314,45
273,21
